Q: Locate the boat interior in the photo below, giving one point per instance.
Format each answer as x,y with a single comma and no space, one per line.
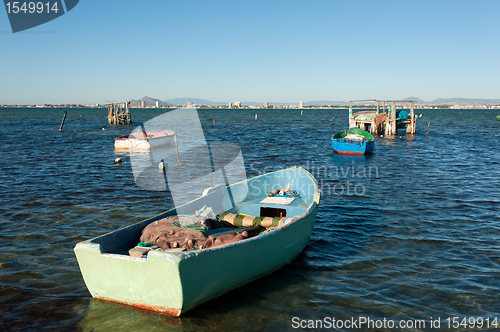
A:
248,199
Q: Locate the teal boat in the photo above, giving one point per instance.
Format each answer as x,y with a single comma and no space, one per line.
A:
498,117
176,281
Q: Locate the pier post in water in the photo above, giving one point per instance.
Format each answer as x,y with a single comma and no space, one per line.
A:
411,127
64,119
352,122
118,115
394,119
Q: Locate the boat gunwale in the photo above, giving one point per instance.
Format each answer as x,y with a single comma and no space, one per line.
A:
164,134
357,131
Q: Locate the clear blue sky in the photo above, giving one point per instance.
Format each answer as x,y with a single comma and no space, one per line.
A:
276,51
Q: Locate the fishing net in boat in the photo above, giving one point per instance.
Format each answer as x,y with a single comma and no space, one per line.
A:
380,119
167,233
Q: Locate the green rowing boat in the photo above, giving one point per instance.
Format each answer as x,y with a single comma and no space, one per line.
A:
173,281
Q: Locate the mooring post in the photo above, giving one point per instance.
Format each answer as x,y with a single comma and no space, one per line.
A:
64,119
412,120
214,123
109,115
177,150
394,126
428,130
352,122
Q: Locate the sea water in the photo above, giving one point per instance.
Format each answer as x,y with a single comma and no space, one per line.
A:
409,234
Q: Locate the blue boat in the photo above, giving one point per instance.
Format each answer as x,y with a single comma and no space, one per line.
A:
353,141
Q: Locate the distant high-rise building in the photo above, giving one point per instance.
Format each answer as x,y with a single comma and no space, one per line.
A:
189,104
266,104
300,104
142,103
230,105
157,104
237,104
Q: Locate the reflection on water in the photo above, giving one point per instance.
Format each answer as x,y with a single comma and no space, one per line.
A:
411,231
108,316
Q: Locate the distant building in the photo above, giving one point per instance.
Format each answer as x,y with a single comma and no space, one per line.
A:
157,104
189,104
300,104
266,104
237,104
230,105
143,103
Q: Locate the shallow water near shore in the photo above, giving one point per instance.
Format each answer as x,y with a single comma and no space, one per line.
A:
410,232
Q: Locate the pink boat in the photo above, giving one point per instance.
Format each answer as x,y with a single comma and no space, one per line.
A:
141,140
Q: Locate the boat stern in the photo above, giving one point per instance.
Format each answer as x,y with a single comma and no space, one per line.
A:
151,283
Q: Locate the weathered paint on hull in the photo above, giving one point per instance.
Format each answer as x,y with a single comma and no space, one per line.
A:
351,153
168,311
177,282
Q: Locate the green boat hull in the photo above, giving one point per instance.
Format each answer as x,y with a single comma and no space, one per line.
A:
177,282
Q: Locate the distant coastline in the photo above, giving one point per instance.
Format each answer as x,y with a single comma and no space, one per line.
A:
154,103
270,107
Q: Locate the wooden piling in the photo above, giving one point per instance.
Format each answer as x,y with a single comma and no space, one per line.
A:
352,121
63,119
411,127
118,114
393,116
426,135
213,123
177,150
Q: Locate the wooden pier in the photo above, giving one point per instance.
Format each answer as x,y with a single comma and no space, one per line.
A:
383,120
119,114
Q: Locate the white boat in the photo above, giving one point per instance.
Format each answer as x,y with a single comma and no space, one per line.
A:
143,140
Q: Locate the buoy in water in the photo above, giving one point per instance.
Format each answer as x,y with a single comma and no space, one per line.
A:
118,160
161,165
